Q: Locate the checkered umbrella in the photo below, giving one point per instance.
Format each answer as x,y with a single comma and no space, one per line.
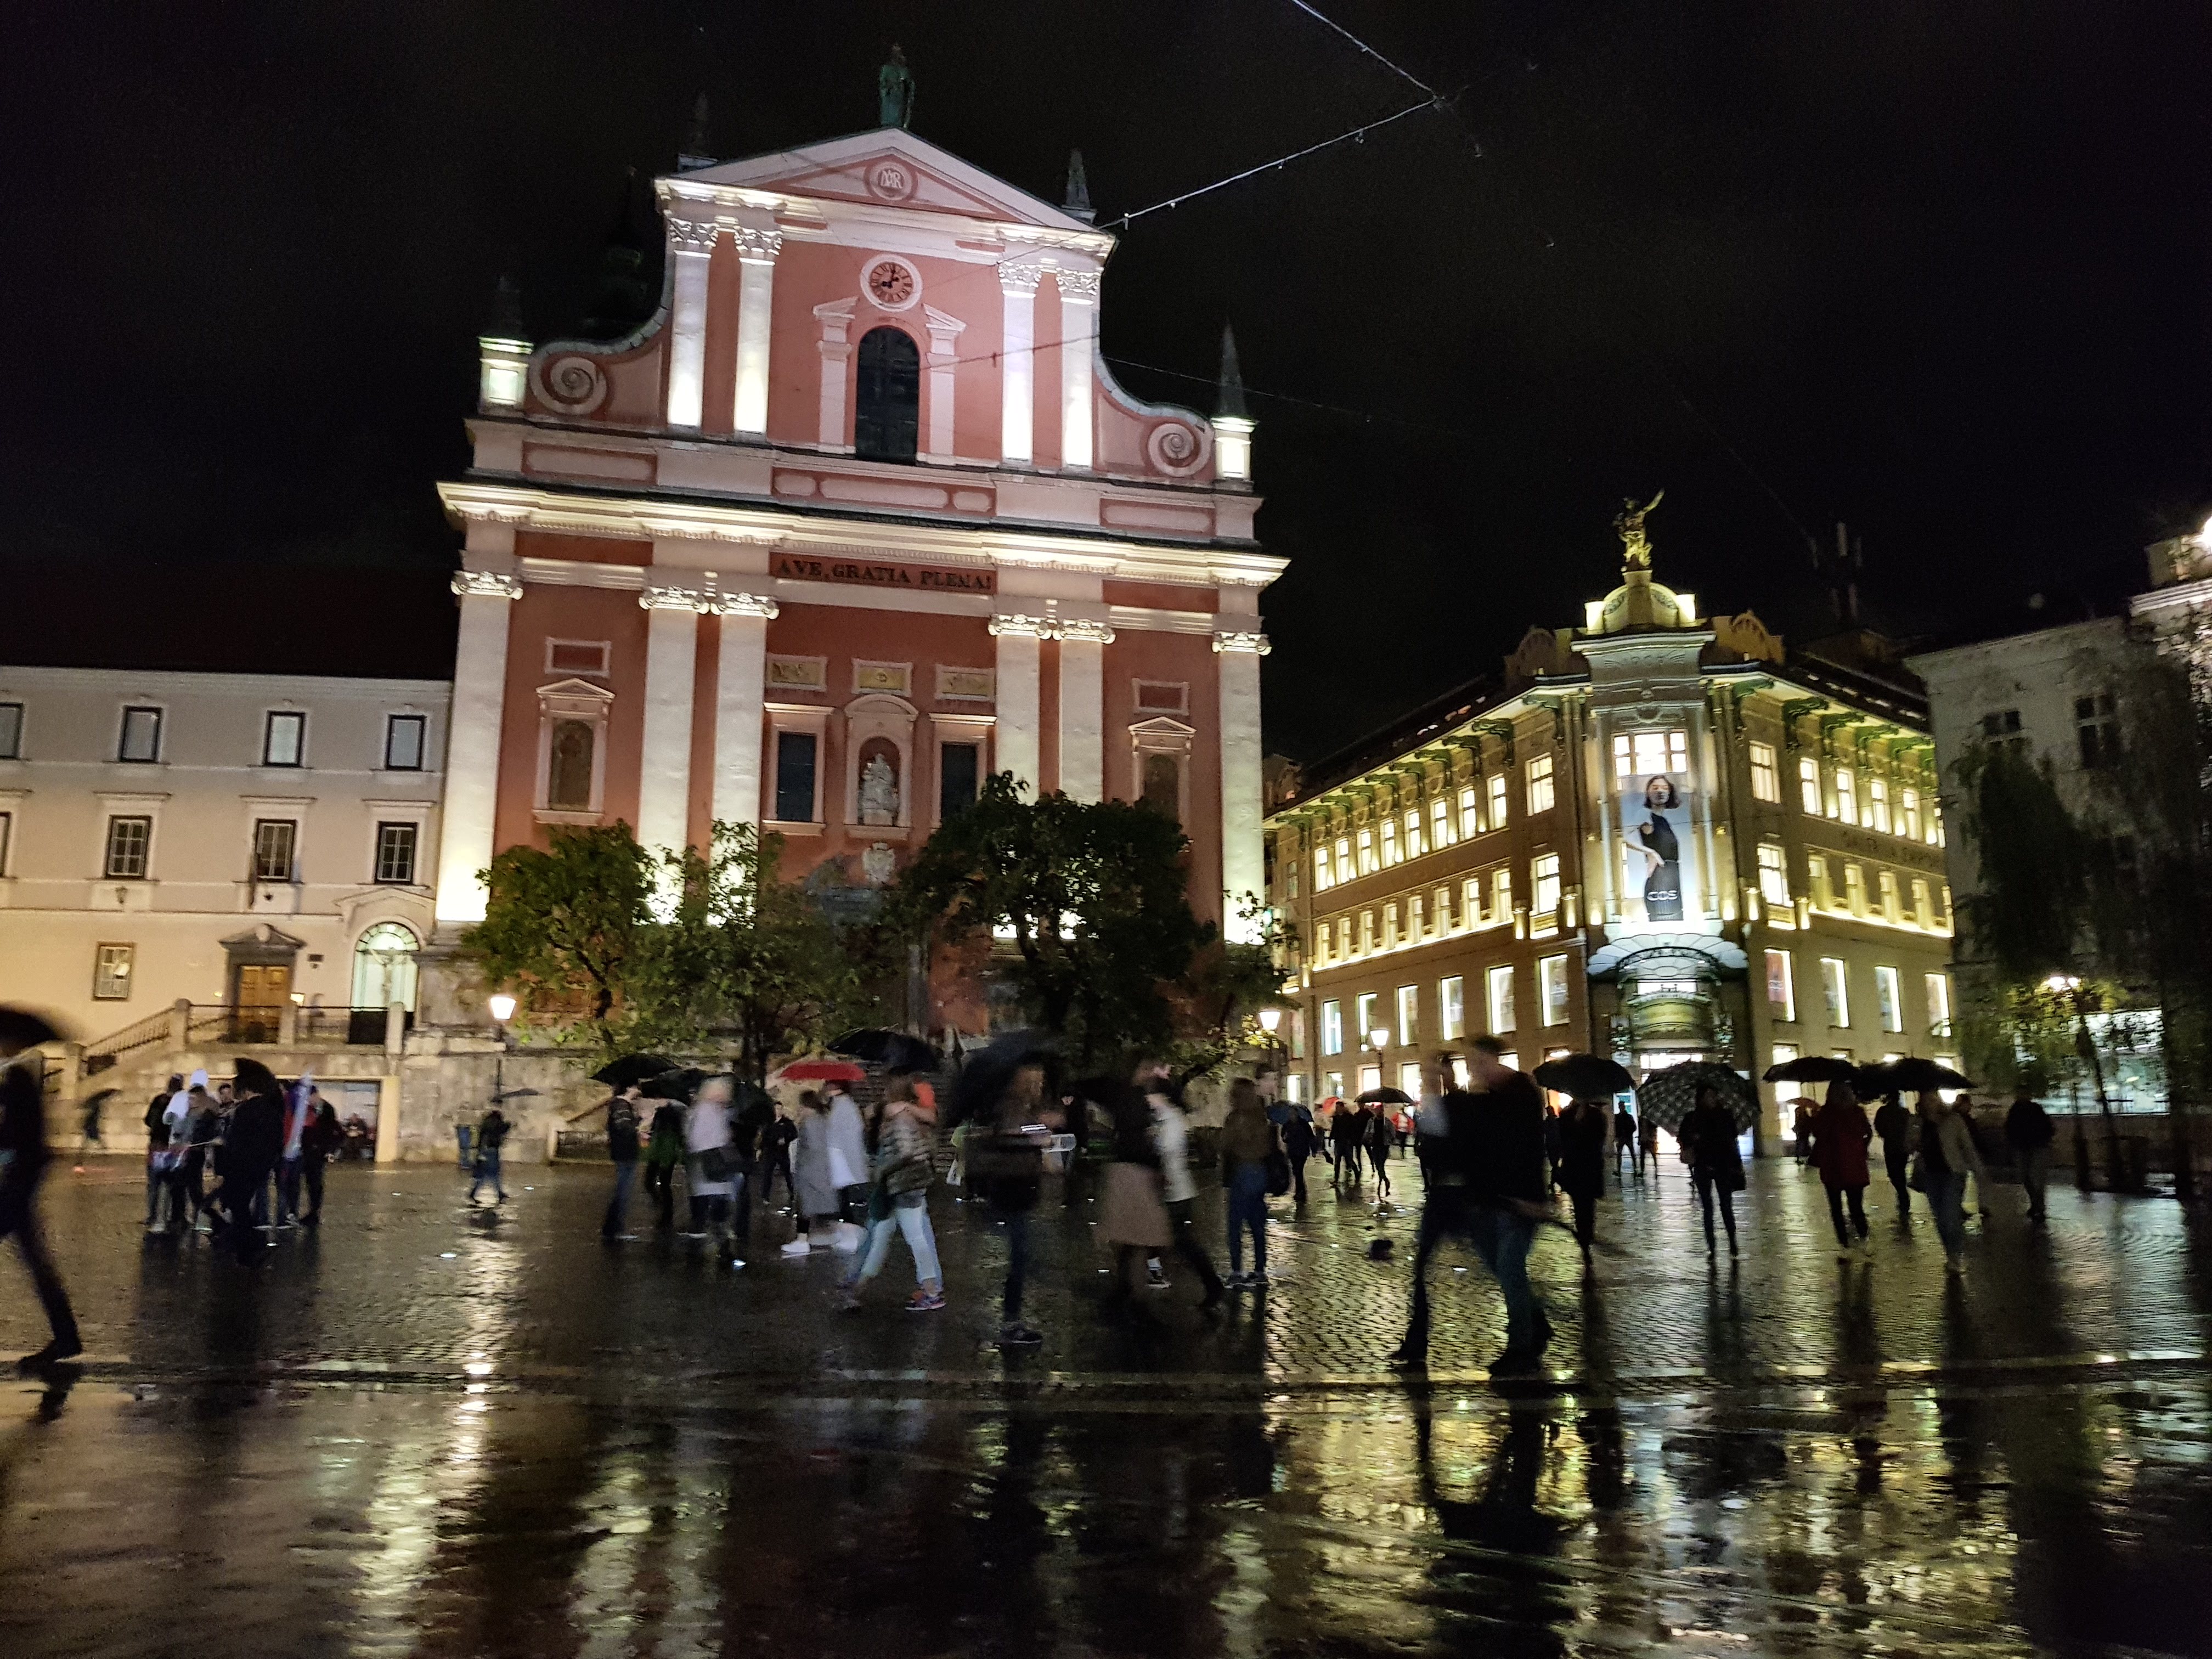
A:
1666,1097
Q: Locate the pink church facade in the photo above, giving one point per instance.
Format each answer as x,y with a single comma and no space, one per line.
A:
858,518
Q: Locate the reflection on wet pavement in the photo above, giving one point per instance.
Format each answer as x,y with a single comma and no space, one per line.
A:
529,1448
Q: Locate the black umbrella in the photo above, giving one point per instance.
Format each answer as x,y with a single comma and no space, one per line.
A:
1385,1097
1812,1068
678,1085
626,1069
1668,1096
1910,1075
976,1092
1585,1077
894,1051
21,1029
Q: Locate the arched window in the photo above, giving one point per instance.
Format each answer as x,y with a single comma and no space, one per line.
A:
568,773
888,397
384,967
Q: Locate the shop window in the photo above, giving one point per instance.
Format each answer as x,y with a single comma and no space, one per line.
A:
887,396
1497,985
1938,988
1451,1007
1409,1015
1888,1001
1551,986
1835,990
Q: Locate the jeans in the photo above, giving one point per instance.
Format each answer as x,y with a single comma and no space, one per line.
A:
1501,1238
288,1189
1857,1197
909,1215
1381,1160
1709,1187
659,1181
1298,1179
1897,1158
618,1205
1017,1223
2035,1176
1948,1201
486,1169
1248,1208
465,1134
19,1217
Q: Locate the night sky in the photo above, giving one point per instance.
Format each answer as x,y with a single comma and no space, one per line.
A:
1939,269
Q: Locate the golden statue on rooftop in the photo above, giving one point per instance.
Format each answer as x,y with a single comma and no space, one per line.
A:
1635,545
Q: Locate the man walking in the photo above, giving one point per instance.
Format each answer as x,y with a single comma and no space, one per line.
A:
1892,1121
250,1147
22,1163
319,1143
622,1151
298,1115
1487,1166
2028,1130
491,1136
157,1139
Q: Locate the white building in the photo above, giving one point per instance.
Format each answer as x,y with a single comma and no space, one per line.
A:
249,841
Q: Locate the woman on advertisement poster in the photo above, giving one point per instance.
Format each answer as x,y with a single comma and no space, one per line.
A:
1655,839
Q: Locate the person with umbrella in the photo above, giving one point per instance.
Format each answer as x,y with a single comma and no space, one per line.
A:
1623,1137
622,1149
1707,1137
1893,1123
664,1151
490,1141
1576,1138
1002,1093
23,1157
1380,1140
1347,1133
1840,1136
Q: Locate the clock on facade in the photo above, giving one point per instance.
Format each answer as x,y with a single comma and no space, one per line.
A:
891,284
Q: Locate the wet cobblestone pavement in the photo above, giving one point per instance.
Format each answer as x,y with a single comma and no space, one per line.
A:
430,1430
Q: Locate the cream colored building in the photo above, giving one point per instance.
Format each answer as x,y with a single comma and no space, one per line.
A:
248,843
1661,837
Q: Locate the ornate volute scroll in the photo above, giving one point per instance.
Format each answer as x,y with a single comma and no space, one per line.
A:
487,585
1234,640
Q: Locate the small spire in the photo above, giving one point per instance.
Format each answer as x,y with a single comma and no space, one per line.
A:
1230,398
1078,204
696,153
505,323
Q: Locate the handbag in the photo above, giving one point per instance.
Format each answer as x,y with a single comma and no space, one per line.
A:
716,1163
903,1159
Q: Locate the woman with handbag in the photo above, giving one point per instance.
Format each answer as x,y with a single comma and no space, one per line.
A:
714,1166
898,1142
1708,1142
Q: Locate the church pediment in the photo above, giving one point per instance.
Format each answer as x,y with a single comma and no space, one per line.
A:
887,168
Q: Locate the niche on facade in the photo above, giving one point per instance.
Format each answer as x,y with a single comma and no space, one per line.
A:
572,751
1162,753
879,762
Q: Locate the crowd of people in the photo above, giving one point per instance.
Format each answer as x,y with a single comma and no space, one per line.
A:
240,1161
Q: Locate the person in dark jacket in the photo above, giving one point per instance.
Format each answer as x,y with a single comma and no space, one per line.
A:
318,1144
1624,1137
1893,1122
491,1137
157,1139
1487,1184
1347,1134
1839,1151
1707,1139
22,1163
252,1146
664,1151
1300,1144
2028,1131
1380,1143
622,1149
1581,1167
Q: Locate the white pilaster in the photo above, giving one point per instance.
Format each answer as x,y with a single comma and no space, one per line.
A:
1079,340
740,685
672,653
1019,704
943,358
472,735
836,349
1083,707
757,252
1243,862
691,247
1018,362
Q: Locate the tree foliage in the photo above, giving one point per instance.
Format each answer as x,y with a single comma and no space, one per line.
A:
2030,917
1218,996
563,926
1092,896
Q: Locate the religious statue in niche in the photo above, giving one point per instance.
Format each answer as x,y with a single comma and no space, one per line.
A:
879,795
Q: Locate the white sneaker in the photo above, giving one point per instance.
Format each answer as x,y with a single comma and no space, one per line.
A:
735,1264
798,1245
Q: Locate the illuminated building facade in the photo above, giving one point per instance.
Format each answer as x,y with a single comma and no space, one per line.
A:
1661,836
858,518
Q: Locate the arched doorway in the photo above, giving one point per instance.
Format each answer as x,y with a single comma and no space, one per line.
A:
384,967
887,396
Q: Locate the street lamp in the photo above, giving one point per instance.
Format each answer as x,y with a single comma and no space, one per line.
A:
1379,1039
1270,1019
502,1008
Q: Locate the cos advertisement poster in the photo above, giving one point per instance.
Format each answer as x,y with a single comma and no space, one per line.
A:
1653,785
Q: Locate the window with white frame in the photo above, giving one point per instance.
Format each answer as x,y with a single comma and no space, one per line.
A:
139,739
1808,786
1344,936
1781,986
1908,813
1498,987
1877,810
1332,1027
1544,884
1332,1084
1886,889
1923,907
1765,777
1409,1015
1498,813
1774,874
1855,899
1366,932
1365,839
1539,784
1390,924
1321,934
275,842
1409,1077
111,971
1416,922
1470,903
1470,813
406,740
284,737
1937,988
1501,895
1413,848
1451,1007
1389,842
129,849
1322,880
1638,755
1443,909
1344,868
1847,795
1888,998
1552,988
395,854
1370,1077
1822,881
1835,990
1440,830
1369,1008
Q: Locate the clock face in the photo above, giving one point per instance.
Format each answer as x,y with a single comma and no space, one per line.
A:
890,284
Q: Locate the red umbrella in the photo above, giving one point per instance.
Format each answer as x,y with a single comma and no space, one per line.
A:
822,1071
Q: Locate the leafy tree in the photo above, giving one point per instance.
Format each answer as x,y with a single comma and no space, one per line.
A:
2030,918
744,960
1091,894
1218,996
565,925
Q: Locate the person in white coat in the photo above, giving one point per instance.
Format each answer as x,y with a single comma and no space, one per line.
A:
848,1164
713,1165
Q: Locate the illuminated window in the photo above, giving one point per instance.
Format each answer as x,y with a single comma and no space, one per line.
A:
1854,889
1781,986
1409,1015
1389,924
1369,1008
1367,864
1444,910
1440,833
1416,923
1322,882
1808,785
1320,935
1823,881
1552,989
1886,884
1295,1084
1389,842
1783,1052
1908,814
1366,932
1497,810
1298,1034
1847,795
1509,1061
1878,805
1934,825
1332,1027
1544,884
1470,814
1451,1007
1344,936
1888,1001
1774,874
1836,991
1345,867
1765,780
1923,907
1370,1077
1539,784
1939,1004
1640,754
1409,1079
1413,848
1498,984
1501,895
2097,729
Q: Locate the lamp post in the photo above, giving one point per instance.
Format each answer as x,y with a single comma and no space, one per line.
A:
1379,1039
1270,1019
